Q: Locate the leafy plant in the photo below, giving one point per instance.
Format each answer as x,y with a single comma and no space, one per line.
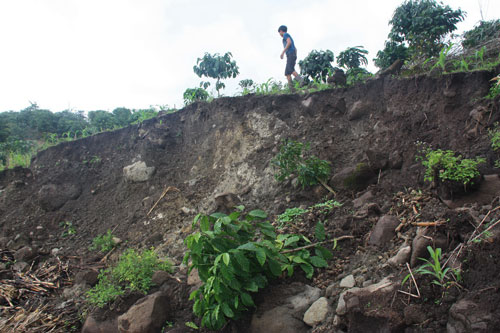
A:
293,159
357,75
495,88
236,255
485,31
447,166
317,65
69,228
495,141
325,207
216,67
290,215
352,57
270,87
133,271
247,86
195,94
423,24
392,51
433,267
103,243
441,62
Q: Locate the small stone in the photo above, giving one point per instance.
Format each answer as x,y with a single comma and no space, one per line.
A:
348,282
317,312
401,257
160,277
25,254
89,277
55,251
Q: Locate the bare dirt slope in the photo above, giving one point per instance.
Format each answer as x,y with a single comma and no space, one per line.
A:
368,133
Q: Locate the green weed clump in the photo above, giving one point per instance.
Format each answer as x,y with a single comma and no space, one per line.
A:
238,254
445,165
434,268
133,271
293,159
103,243
293,215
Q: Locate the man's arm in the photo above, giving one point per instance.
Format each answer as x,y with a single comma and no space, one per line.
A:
288,44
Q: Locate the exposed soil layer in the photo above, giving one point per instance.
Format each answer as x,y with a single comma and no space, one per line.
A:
210,152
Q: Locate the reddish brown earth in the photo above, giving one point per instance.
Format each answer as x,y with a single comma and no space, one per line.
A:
225,146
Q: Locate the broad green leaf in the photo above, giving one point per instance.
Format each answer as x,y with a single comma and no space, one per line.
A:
248,246
258,214
320,231
275,267
195,220
226,258
217,259
218,226
291,240
252,286
323,252
247,299
205,224
191,325
242,260
318,261
261,256
308,269
218,215
227,310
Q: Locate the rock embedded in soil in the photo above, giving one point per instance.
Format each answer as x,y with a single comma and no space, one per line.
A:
317,312
347,282
401,257
26,253
277,320
92,325
384,230
147,315
89,277
138,172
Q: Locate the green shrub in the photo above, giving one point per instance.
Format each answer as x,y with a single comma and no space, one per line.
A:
485,31
237,255
495,88
292,159
495,141
447,166
103,243
195,94
133,271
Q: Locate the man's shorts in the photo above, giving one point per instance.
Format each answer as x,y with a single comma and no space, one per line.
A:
290,63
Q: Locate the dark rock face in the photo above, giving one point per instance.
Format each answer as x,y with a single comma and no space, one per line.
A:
52,197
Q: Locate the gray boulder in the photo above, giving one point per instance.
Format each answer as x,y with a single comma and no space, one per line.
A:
138,172
147,315
384,230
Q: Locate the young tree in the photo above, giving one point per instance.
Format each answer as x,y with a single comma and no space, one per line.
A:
352,57
216,67
392,52
317,64
423,24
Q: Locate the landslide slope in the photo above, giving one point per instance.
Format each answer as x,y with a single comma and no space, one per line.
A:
216,154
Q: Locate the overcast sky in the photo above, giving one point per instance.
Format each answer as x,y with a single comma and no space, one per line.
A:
103,54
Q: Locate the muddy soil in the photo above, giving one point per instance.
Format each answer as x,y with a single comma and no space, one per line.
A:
222,149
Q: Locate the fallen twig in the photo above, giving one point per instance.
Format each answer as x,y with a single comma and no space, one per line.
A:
316,244
415,282
429,224
168,189
471,239
325,185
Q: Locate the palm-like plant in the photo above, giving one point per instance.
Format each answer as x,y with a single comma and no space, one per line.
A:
352,57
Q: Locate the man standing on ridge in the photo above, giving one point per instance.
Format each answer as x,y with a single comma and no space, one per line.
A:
291,56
